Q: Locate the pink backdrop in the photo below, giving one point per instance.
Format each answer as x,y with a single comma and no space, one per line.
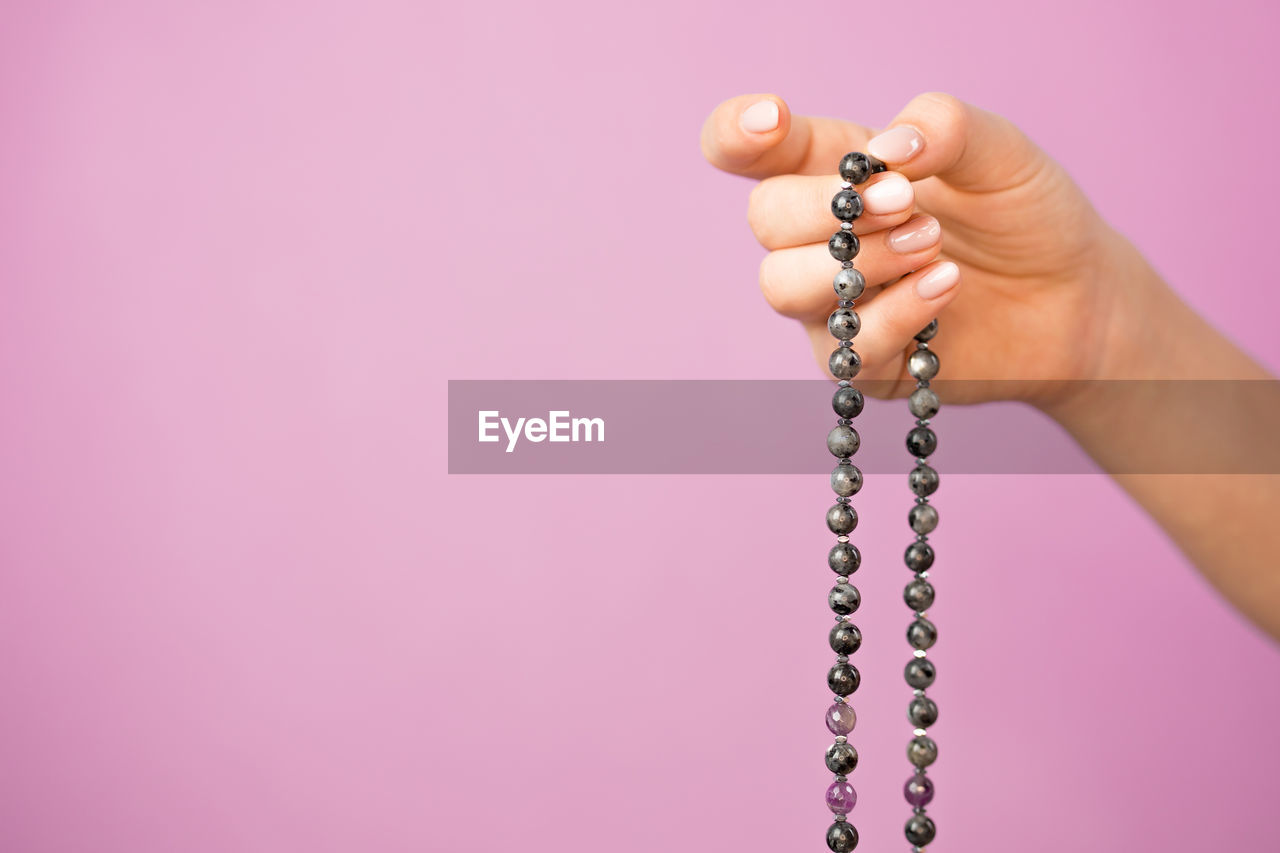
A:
243,246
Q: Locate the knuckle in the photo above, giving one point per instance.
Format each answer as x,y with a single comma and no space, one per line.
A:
758,217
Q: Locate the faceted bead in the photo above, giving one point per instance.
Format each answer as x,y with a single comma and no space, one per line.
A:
846,480
922,712
920,830
922,751
849,284
920,673
843,324
841,519
922,634
923,480
923,364
843,245
847,205
927,333
923,519
918,557
918,595
856,167
843,441
844,363
843,679
847,402
841,759
841,837
918,791
923,403
921,441
844,598
845,638
840,718
841,798
844,558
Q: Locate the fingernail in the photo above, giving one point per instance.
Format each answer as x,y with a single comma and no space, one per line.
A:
759,118
890,194
897,145
938,280
915,235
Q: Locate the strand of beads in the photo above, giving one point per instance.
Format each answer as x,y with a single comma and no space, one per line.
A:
921,633
845,638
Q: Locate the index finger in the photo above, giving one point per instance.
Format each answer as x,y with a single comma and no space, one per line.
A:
757,136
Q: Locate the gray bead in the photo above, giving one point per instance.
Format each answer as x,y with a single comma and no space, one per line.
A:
845,638
920,830
843,324
856,167
842,519
847,402
918,557
843,679
922,634
921,441
923,480
847,205
918,595
922,751
843,245
844,598
842,837
922,712
923,364
846,480
844,559
923,403
923,519
843,441
841,759
849,284
927,333
844,363
920,673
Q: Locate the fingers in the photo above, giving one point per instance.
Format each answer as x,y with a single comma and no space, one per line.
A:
969,148
797,281
795,210
757,136
891,318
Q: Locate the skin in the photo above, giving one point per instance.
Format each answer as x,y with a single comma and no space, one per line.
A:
1049,295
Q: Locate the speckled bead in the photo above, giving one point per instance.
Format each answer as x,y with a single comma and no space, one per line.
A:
847,205
844,363
843,441
922,751
918,595
918,556
920,673
920,830
845,638
923,519
927,333
841,758
843,245
846,480
921,441
842,519
843,324
849,284
923,480
847,402
922,712
844,598
922,634
843,679
923,403
842,837
923,364
844,558
856,167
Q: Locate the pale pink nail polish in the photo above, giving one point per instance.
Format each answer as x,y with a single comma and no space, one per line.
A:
890,194
897,145
938,280
914,236
760,117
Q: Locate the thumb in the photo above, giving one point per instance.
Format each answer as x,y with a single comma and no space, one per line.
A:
967,147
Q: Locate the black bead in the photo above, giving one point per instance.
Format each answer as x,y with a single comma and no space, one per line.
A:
920,830
922,519
920,673
844,558
844,363
922,712
842,837
846,480
921,441
843,441
922,634
843,245
842,519
845,638
856,167
843,324
922,751
918,557
918,595
843,679
927,333
923,480
844,598
841,759
847,402
847,205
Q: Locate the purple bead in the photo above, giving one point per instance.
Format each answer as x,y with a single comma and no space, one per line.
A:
841,798
919,790
840,718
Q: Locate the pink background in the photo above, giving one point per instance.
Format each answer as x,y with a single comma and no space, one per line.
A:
243,246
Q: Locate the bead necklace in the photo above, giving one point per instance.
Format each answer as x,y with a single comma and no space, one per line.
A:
844,558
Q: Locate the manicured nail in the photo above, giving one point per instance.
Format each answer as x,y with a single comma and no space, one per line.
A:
890,194
761,117
915,235
938,280
897,145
